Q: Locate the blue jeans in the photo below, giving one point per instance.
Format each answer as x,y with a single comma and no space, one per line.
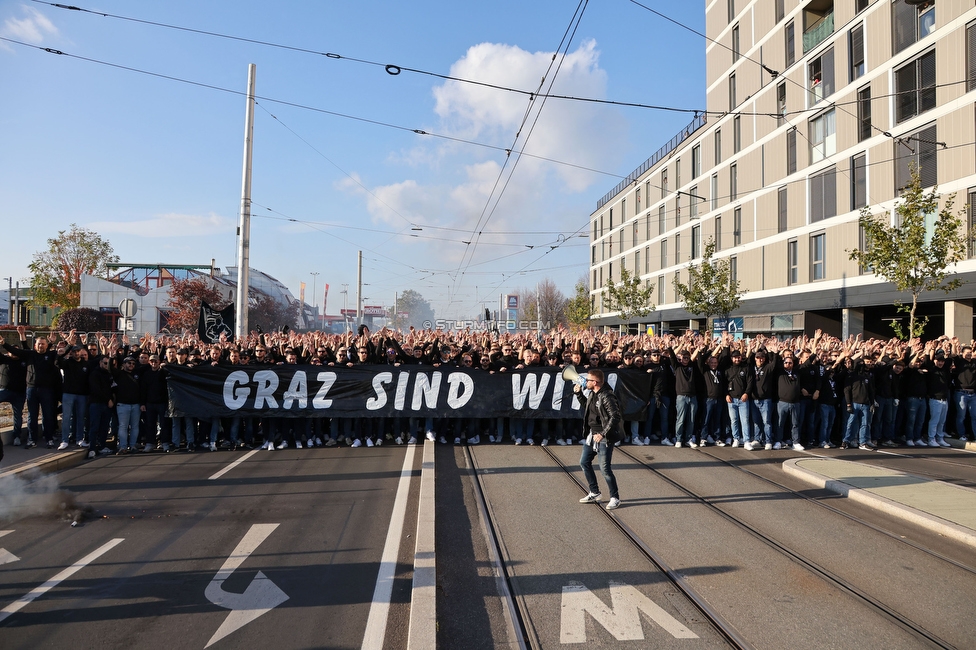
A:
73,410
937,417
183,425
739,417
98,419
661,406
39,398
883,425
965,402
828,414
762,419
586,462
686,407
794,411
858,418
914,417
128,425
16,401
522,428
713,419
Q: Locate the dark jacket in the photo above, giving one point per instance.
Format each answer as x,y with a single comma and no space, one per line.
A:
126,387
75,375
740,380
42,369
101,386
607,410
859,388
152,387
13,374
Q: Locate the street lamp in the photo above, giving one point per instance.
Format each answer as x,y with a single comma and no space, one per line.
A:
10,299
315,312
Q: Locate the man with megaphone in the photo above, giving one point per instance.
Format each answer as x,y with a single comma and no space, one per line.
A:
602,426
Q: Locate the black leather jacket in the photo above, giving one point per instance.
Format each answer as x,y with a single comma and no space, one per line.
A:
608,408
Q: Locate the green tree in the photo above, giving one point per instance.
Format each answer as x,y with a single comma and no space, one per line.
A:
632,298
916,252
56,271
710,291
579,308
418,311
184,303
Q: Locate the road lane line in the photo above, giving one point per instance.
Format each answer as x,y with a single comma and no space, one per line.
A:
18,605
422,632
379,610
233,465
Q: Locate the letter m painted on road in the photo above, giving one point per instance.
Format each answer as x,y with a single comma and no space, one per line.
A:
622,619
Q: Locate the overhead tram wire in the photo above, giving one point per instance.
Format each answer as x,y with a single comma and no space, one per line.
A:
567,39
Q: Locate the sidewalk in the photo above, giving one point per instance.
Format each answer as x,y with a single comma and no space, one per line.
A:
17,460
943,508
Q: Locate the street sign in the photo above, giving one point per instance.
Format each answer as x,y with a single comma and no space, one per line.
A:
373,310
127,308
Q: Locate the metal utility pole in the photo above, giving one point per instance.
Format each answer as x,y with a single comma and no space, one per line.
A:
315,311
244,226
359,291
17,304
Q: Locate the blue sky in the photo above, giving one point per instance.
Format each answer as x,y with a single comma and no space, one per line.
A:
154,165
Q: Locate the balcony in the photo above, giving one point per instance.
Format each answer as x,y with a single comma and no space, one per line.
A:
818,33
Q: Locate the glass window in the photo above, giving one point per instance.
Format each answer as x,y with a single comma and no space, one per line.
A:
970,57
733,182
718,233
662,223
737,226
780,10
718,146
782,222
823,195
817,256
664,182
695,242
790,44
915,87
781,103
733,270
855,42
919,148
791,151
677,248
911,22
714,191
693,202
664,253
732,102
859,182
736,134
792,262
864,114
695,161
823,136
820,77
735,44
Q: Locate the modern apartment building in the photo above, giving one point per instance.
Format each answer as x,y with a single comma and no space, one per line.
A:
815,110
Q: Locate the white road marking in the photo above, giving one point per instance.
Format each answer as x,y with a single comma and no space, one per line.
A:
622,620
379,611
18,605
6,557
422,632
260,597
234,464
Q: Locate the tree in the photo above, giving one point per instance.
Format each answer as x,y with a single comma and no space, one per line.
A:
418,311
82,319
631,297
579,308
185,297
710,291
56,272
551,303
267,314
916,251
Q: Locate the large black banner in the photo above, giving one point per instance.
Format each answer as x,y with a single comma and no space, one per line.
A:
382,391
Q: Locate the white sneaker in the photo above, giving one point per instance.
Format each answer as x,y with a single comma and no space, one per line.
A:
531,442
769,447
703,443
270,445
614,504
735,443
592,497
379,442
778,446
298,444
561,442
518,441
62,446
692,444
909,443
491,438
677,444
412,440
545,442
474,441
442,440
798,447
83,444
369,442
356,443
399,440
431,436
828,445
647,441
638,442
283,445
943,443
318,441
666,442
720,443
213,446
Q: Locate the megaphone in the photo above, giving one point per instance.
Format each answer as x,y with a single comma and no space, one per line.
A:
571,375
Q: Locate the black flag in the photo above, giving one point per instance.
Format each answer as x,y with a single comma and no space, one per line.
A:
212,323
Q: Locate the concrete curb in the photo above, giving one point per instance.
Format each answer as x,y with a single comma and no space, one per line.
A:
888,506
49,463
423,599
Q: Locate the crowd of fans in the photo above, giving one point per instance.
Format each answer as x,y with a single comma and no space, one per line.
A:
760,393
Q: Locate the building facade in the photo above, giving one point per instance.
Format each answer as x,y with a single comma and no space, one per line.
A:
816,109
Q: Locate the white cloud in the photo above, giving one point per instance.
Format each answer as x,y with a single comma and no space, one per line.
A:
169,225
32,28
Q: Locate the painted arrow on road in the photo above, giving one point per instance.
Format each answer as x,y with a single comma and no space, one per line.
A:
260,597
6,557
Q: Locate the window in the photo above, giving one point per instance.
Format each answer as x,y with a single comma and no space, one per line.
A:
594,285
781,103
780,10
647,259
817,256
737,226
601,226
601,277
823,136
660,290
610,227
782,223
910,23
693,200
733,271
677,209
861,5
637,201
791,151
732,102
718,146
862,244
790,44
677,173
915,87
696,161
731,9
820,77
823,195
733,182
714,191
623,210
677,248
664,253
637,262
662,223
593,259
792,262
735,43
970,57
664,182
859,182
855,43
736,134
971,220
695,242
864,114
918,148
718,233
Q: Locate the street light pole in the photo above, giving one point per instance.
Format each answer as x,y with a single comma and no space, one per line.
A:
315,311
